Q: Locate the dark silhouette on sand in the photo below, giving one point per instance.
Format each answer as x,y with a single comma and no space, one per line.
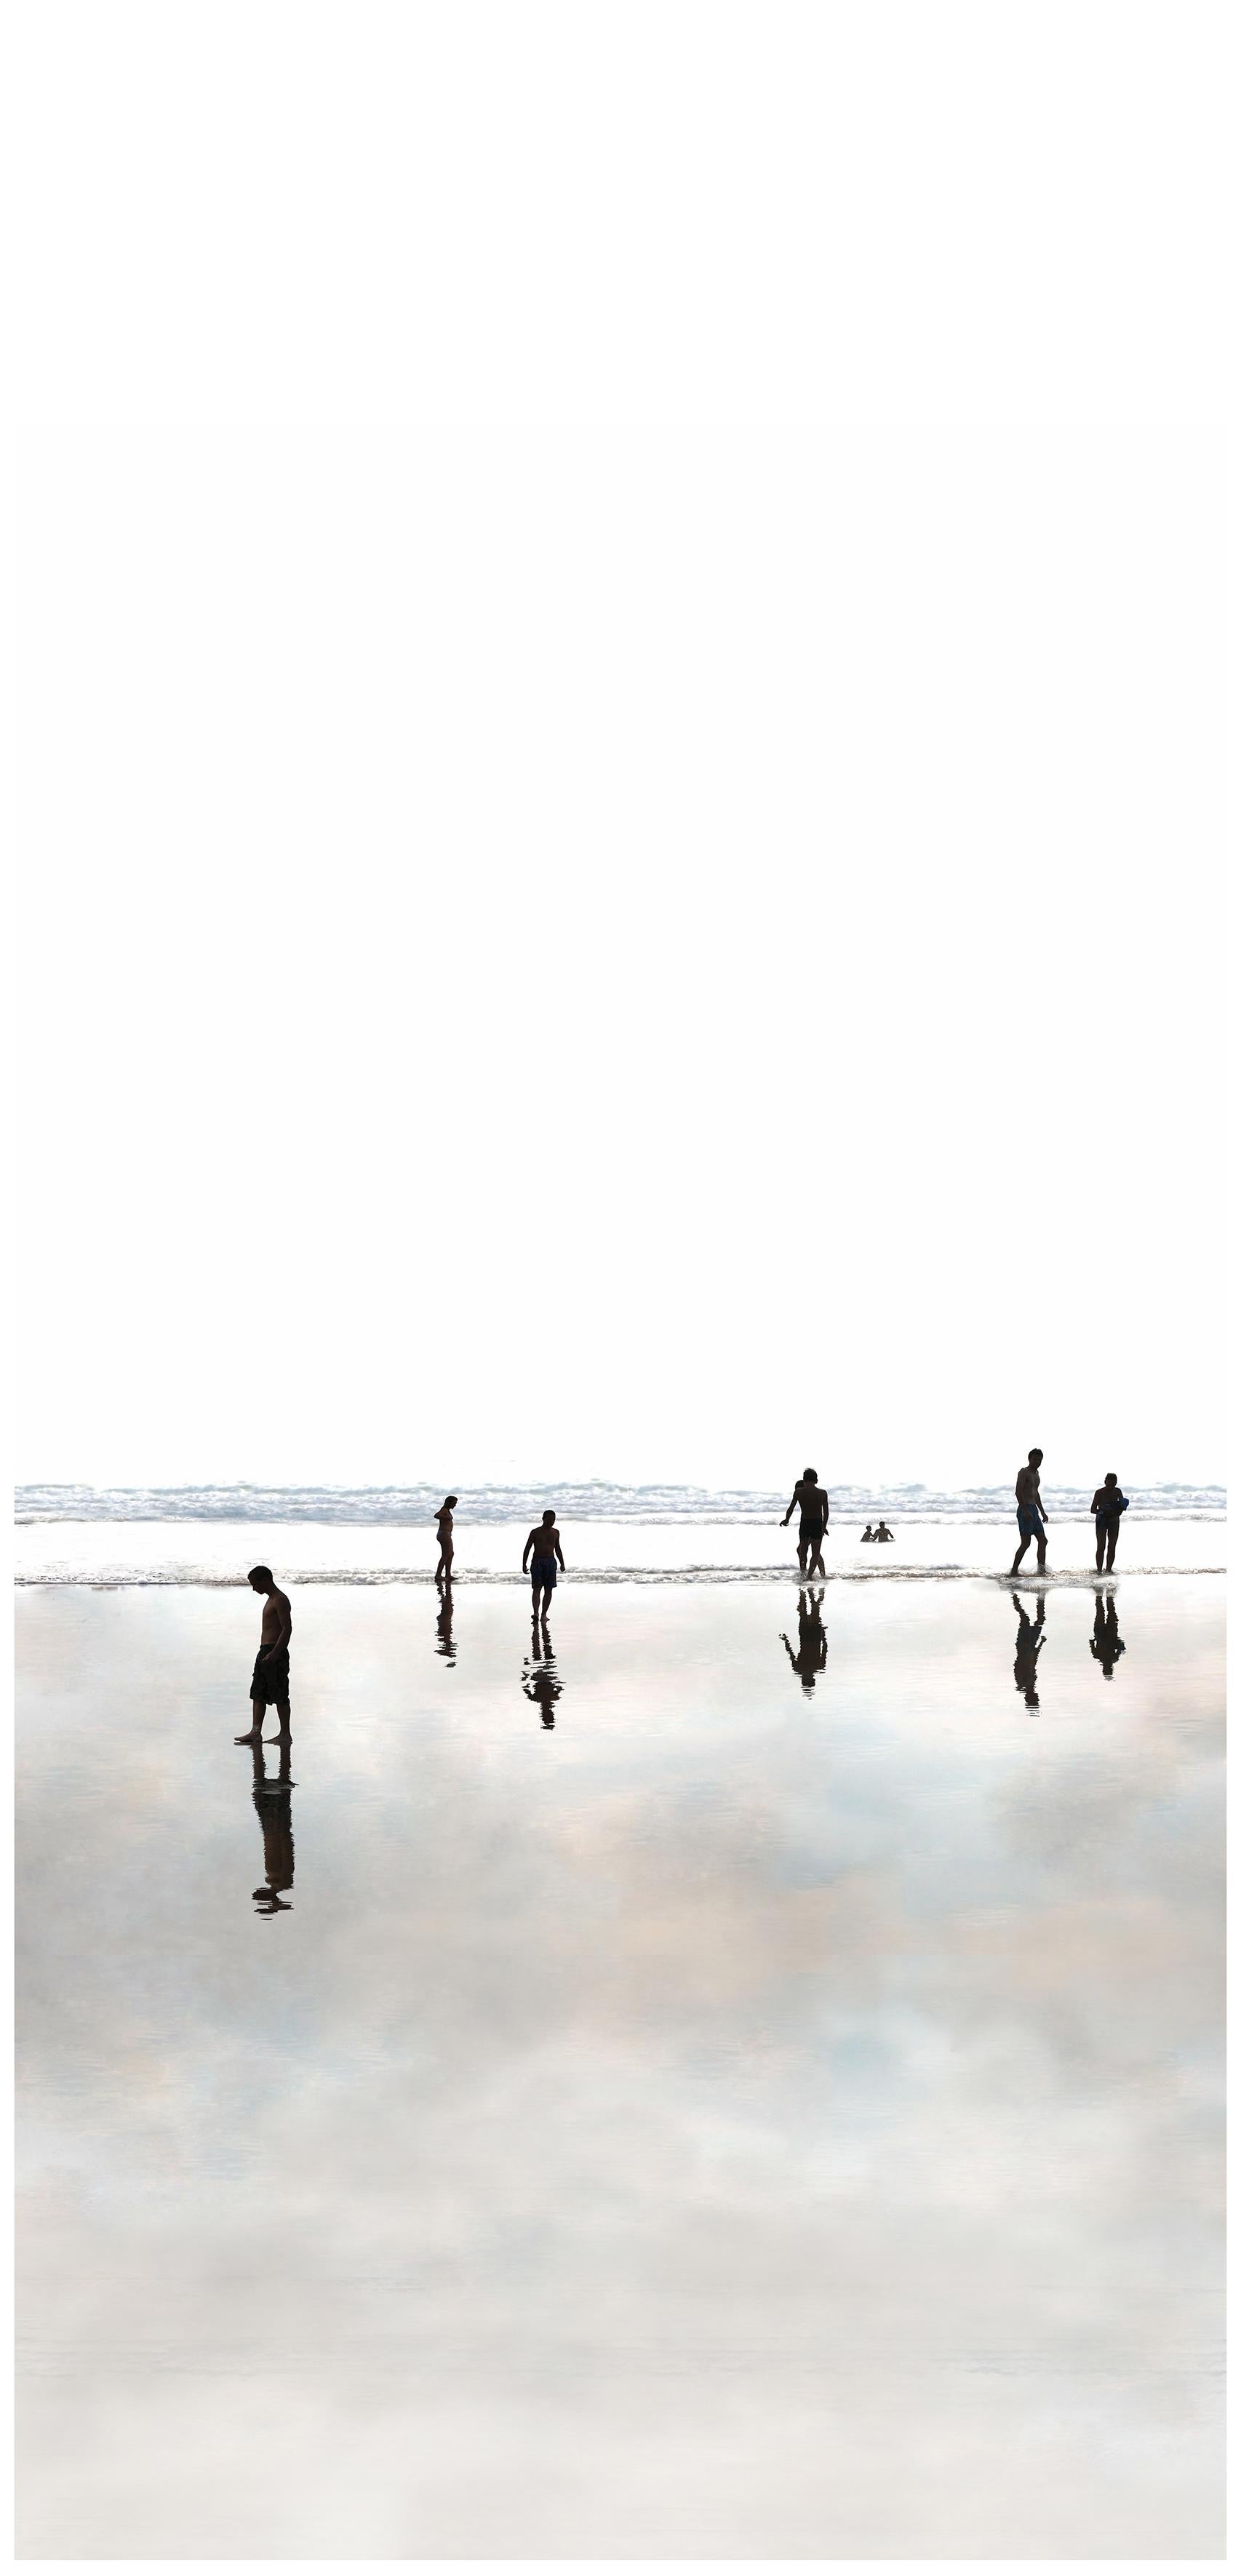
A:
811,1656
269,1683
1031,1517
811,1504
444,1524
274,1806
539,1678
1030,1642
545,1544
1106,1642
443,1625
1107,1506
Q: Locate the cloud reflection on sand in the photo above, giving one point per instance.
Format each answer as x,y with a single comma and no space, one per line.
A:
742,2123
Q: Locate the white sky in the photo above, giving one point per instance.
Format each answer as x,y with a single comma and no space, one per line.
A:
621,728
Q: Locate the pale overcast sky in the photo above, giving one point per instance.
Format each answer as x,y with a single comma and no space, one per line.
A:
621,796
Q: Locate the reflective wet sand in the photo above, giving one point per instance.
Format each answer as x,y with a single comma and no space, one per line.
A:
742,2083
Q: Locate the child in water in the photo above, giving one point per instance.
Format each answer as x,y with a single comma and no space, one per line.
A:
1107,1507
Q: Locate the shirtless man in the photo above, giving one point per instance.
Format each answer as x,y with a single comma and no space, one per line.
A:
1031,1517
545,1543
443,1523
270,1684
811,1502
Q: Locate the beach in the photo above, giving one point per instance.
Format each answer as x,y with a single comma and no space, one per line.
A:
771,2109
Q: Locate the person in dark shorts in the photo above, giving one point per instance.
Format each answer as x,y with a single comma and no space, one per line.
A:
269,1685
542,1553
1107,1507
811,1504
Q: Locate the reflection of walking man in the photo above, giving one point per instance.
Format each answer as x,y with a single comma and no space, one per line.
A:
811,1504
811,1656
1106,1642
539,1678
270,1681
1030,1642
274,1803
1031,1517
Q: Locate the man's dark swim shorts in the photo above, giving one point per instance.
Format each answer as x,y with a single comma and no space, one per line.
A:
543,1573
271,1678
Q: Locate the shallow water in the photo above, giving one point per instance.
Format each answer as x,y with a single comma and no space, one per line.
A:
772,2110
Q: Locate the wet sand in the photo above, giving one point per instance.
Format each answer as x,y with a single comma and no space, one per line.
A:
771,2111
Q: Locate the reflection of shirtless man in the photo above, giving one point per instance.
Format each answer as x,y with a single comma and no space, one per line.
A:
811,1502
270,1683
1031,1517
443,1523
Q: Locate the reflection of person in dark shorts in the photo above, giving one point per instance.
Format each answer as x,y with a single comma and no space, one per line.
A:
1031,1517
811,1503
542,1553
274,1806
269,1685
1108,1504
811,1656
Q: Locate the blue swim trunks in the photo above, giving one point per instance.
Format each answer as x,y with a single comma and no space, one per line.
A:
1029,1521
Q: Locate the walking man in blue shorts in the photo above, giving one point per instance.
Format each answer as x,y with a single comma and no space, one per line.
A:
1031,1517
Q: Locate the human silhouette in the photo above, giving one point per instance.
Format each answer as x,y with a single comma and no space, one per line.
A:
1106,1643
811,1656
269,1683
545,1543
1031,1517
1107,1506
444,1524
443,1625
882,1532
274,1805
867,1533
1030,1642
810,1502
539,1678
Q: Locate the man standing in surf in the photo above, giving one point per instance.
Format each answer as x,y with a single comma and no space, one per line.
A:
1031,1517
269,1686
810,1501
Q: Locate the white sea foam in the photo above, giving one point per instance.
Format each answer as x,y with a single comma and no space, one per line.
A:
405,1506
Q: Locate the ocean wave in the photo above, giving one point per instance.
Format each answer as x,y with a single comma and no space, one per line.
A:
406,1506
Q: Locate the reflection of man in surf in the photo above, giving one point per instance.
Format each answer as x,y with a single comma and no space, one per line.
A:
810,1502
1030,1642
1106,1643
811,1656
541,1682
1031,1517
274,1804
443,1523
542,1553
